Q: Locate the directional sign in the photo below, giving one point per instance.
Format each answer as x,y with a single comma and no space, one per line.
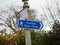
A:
29,24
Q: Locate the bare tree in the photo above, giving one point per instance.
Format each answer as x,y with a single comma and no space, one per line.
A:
12,18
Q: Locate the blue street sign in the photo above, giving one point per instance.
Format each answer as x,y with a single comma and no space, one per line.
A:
29,24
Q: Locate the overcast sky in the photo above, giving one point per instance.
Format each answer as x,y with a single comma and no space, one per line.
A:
34,4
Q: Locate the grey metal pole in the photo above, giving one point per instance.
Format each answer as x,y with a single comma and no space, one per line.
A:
27,37
27,31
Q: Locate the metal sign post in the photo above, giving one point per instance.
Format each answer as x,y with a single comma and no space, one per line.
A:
22,23
27,24
27,32
27,37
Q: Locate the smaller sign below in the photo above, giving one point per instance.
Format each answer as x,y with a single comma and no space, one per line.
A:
29,24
